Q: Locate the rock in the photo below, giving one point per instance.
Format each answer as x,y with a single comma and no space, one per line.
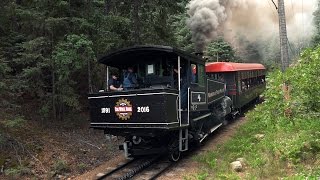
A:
236,166
84,151
259,136
242,161
100,175
31,164
7,161
60,177
52,173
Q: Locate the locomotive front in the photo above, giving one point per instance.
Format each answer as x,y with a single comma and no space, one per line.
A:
171,103
147,116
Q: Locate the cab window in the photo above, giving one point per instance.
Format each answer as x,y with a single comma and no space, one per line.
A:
198,74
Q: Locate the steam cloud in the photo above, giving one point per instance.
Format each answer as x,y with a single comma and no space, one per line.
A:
205,18
256,21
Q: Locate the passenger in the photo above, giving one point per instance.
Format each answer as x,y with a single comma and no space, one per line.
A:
193,74
129,79
114,84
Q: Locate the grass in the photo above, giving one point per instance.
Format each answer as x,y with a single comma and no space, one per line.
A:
289,149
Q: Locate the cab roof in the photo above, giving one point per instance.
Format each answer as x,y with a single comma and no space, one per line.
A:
232,67
138,54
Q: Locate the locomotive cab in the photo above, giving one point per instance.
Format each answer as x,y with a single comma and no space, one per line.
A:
172,103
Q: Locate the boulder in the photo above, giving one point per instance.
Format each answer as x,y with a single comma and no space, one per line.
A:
100,175
259,136
236,166
242,161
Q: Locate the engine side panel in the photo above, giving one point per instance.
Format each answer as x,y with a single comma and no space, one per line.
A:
154,108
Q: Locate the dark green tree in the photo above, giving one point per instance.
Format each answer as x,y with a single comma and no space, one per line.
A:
46,45
220,50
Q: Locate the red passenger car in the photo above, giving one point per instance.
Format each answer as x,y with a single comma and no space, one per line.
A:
244,81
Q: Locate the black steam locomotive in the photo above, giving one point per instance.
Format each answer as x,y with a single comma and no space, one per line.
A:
179,101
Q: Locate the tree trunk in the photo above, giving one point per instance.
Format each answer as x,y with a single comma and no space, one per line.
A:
89,76
54,110
136,21
107,7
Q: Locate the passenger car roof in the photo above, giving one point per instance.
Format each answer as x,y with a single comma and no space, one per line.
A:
131,54
232,67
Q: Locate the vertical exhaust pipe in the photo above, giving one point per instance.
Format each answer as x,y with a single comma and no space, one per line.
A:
200,54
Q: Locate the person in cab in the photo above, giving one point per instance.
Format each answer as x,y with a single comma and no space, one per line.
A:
114,84
129,79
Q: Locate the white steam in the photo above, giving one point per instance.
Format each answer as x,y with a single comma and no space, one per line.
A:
205,18
253,20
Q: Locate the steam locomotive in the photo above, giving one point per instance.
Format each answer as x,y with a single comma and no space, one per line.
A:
179,102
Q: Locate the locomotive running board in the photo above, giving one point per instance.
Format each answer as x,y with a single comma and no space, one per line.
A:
234,113
211,130
201,117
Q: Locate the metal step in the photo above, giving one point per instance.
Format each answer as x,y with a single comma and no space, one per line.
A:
183,140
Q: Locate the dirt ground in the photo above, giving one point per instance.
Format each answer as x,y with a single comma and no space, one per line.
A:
186,166
52,152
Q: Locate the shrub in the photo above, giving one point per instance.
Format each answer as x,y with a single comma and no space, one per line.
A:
17,171
15,123
61,166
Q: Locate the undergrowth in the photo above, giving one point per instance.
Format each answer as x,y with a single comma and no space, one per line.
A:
290,146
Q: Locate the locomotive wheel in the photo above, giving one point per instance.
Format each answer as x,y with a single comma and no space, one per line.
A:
174,153
174,156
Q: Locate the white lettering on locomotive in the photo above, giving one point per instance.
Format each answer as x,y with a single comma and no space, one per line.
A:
144,109
105,110
199,97
215,93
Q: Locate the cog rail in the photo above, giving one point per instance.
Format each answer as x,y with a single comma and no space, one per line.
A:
163,168
129,169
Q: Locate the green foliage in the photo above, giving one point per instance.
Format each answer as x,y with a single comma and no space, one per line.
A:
60,166
46,46
71,57
220,50
316,21
82,167
291,144
17,171
15,123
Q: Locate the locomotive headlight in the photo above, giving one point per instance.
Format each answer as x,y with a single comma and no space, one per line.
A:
136,140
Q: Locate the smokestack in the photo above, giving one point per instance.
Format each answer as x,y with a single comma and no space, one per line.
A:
200,54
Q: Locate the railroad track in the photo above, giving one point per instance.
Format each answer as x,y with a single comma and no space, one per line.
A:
148,168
